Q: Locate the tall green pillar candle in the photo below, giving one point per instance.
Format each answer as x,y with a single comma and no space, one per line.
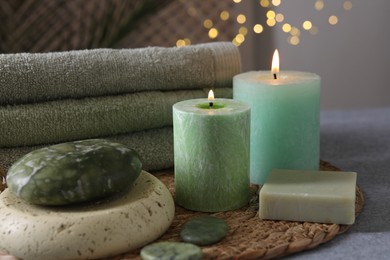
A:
285,120
211,147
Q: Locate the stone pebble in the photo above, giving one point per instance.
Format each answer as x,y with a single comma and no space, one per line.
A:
171,250
74,172
204,230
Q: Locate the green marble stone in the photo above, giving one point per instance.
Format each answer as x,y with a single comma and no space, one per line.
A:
74,172
171,250
204,230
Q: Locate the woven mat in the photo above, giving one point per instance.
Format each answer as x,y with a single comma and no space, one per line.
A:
249,237
252,238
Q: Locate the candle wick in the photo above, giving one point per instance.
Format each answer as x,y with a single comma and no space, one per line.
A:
275,77
211,104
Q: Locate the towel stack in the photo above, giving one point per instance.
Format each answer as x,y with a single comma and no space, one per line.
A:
123,95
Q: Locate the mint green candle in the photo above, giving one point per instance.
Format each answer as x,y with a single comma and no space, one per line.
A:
285,120
211,147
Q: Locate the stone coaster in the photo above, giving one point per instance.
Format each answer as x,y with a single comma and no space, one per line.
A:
250,237
87,231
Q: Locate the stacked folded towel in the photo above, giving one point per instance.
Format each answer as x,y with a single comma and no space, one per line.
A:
124,95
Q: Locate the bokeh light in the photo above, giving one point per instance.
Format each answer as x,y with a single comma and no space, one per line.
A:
258,28
213,33
319,5
224,15
307,25
347,5
333,20
274,18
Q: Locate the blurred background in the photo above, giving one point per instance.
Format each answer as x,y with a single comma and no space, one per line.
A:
344,41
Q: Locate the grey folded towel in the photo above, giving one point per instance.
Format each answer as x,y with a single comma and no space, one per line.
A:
73,119
29,78
155,147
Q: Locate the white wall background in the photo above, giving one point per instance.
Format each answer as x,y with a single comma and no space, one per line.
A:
352,57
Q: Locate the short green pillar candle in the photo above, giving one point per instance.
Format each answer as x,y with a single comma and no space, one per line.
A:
211,146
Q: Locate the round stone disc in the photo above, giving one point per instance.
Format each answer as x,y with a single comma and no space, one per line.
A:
86,231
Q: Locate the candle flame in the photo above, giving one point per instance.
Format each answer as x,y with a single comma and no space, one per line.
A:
211,95
275,62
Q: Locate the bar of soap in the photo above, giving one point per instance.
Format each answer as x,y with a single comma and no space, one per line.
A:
312,196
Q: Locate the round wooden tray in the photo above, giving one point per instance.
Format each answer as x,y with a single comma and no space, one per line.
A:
250,237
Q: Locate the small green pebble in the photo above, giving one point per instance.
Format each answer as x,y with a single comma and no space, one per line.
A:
204,230
170,251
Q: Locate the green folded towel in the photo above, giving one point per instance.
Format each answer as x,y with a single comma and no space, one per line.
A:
73,119
29,78
154,146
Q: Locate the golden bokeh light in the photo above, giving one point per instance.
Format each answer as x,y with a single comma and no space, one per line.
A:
270,14
224,15
271,22
275,17
241,19
294,40
258,28
243,30
307,25
235,42
183,42
279,17
347,5
333,20
295,31
208,23
187,41
319,5
180,43
286,27
213,33
240,38
264,3
276,2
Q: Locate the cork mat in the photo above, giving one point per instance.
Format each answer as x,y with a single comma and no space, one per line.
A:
249,237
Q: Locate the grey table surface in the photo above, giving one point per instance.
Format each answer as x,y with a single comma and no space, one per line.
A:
359,140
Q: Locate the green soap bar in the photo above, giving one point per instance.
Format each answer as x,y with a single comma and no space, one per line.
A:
204,230
74,172
314,196
171,250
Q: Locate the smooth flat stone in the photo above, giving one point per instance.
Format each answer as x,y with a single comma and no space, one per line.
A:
171,250
74,172
204,230
90,231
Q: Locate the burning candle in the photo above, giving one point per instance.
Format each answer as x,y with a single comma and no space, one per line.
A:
285,108
211,150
